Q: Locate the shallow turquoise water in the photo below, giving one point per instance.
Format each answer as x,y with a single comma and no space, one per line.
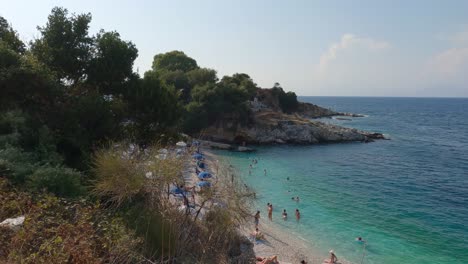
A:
408,197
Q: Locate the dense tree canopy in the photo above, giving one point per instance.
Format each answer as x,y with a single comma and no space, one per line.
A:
9,37
174,61
65,46
112,63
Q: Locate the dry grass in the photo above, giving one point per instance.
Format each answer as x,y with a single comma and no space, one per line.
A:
171,234
119,176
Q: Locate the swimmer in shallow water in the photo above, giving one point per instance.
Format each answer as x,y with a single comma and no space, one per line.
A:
298,215
285,215
359,239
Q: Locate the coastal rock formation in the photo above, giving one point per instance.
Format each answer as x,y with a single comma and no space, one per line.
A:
314,111
274,127
270,122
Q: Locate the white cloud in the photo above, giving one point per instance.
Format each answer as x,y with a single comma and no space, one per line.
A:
364,66
449,63
349,41
449,67
355,66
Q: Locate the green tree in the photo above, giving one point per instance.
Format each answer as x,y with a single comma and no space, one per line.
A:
215,102
112,64
9,37
201,76
153,106
173,61
242,81
287,101
64,45
26,83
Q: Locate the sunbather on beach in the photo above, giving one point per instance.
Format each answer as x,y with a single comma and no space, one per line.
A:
258,235
270,260
333,259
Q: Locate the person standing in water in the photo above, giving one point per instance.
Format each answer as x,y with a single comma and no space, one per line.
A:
264,171
270,211
285,215
298,215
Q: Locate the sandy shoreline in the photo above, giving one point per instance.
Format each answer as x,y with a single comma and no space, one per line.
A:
288,248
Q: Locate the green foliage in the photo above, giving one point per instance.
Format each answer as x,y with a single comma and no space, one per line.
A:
112,63
65,46
83,122
288,101
58,180
182,72
201,76
213,102
9,37
154,107
16,164
173,61
242,81
25,83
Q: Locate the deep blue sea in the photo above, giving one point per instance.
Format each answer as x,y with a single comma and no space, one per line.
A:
407,197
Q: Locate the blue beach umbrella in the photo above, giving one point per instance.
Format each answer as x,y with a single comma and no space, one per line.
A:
204,184
197,156
204,175
176,190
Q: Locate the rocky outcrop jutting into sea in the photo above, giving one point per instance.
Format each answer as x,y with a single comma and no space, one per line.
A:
275,127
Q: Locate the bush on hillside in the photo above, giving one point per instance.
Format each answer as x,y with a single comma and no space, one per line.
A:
58,180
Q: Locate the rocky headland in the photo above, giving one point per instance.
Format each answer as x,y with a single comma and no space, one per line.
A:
268,124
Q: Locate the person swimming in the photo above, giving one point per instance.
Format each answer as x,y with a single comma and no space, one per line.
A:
285,215
287,178
264,172
359,239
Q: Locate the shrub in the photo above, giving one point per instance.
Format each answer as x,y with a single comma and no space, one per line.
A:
16,164
58,180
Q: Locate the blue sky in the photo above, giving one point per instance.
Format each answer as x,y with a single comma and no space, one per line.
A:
345,48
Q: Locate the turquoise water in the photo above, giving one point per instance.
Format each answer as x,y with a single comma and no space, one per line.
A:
408,197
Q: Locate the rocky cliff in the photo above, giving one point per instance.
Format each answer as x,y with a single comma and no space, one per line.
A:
274,127
268,124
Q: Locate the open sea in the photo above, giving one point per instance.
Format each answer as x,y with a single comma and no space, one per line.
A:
407,197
